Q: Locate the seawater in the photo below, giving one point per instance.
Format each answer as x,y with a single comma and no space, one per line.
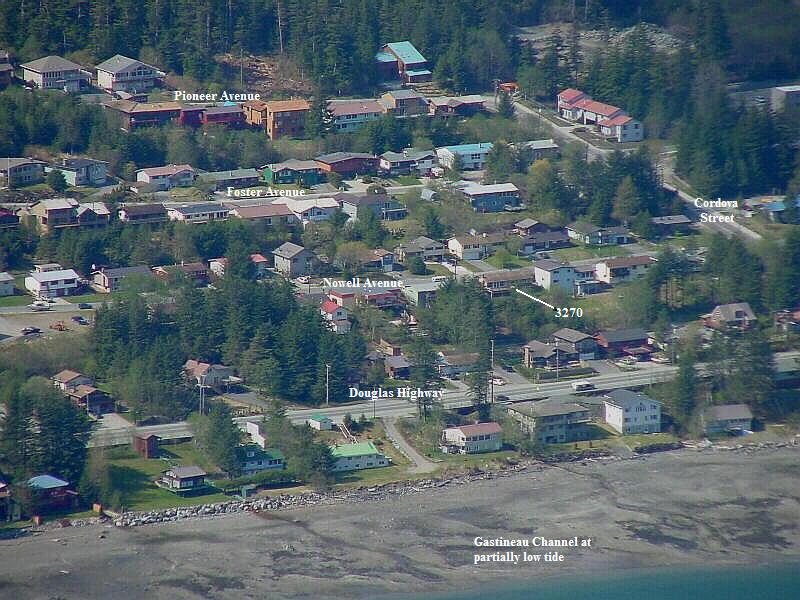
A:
762,582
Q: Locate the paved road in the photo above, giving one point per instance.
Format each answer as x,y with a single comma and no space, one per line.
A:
421,463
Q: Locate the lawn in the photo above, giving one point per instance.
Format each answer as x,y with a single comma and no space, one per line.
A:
15,300
506,261
646,439
470,461
407,180
89,298
586,252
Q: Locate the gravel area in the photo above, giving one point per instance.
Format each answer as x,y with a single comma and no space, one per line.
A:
687,507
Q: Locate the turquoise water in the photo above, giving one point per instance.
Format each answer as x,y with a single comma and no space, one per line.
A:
780,582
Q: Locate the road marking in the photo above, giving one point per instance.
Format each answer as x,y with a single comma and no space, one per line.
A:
534,298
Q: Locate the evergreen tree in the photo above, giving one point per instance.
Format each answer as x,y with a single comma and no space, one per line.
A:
505,106
55,179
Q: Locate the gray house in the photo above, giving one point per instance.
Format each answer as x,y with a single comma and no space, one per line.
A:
727,417
576,342
552,422
82,171
386,208
293,260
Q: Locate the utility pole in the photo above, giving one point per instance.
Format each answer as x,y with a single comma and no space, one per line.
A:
327,385
491,375
557,367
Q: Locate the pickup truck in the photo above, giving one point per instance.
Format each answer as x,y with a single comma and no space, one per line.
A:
582,386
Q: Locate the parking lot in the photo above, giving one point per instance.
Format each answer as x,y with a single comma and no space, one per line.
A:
11,325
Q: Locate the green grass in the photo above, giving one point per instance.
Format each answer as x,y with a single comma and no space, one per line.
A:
645,439
471,461
438,270
586,252
407,180
15,300
376,476
89,298
504,261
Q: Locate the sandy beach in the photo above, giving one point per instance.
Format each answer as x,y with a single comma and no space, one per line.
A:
684,508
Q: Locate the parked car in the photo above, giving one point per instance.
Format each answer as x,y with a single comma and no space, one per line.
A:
508,368
502,398
581,386
304,279
38,307
498,381
79,319
84,305
30,330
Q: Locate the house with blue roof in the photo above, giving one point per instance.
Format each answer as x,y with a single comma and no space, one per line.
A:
52,492
472,157
403,60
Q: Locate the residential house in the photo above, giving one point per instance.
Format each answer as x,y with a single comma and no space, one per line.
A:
382,260
586,233
452,364
292,260
622,128
423,293
545,240
629,412
255,113
259,262
422,247
294,172
616,235
235,178
455,106
476,247
785,321
108,280
336,317
46,267
82,171
6,284
9,510
349,115
669,224
256,431
196,272
397,367
469,157
527,227
167,177
191,115
269,214
67,380
594,112
310,210
55,73
142,213
203,212
735,316
403,103
625,268
500,283
576,342
585,283
207,374
53,284
89,398
403,60
384,207
494,197
230,115
472,439
120,73
550,421
254,459
540,354
52,493
631,342
19,172
380,297
182,480
565,103
146,445
548,273
319,422
727,418
347,163
8,219
539,149
408,161
132,114
784,97
286,118
356,457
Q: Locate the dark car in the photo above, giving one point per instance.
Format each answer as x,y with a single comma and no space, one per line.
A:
84,305
502,398
508,368
30,330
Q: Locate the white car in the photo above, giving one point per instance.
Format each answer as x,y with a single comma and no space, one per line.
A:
304,279
498,381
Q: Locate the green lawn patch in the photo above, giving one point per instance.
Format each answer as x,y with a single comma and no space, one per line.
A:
586,252
15,300
89,298
407,180
504,261
646,439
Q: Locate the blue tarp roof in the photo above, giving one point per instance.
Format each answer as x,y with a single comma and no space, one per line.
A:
46,482
417,72
469,148
385,57
406,52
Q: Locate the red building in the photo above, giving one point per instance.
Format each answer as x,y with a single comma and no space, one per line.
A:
146,445
231,116
143,114
628,342
347,163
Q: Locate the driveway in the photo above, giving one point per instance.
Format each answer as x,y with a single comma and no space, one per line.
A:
421,464
483,266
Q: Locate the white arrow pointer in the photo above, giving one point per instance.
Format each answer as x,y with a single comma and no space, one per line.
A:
534,298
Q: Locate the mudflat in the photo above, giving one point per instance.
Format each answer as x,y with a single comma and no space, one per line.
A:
686,508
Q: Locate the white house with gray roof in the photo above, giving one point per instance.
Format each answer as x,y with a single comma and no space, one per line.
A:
628,412
52,284
202,212
55,73
293,260
122,74
727,418
6,284
81,171
21,171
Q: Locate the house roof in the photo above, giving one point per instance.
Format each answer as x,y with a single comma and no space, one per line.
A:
225,109
50,63
404,94
600,108
540,349
54,275
46,482
339,108
479,429
477,189
188,471
202,207
671,220
73,164
82,391
547,236
622,397
7,163
258,258
288,250
511,275
468,148
460,360
570,95
385,57
262,211
526,223
119,63
166,170
583,227
329,306
336,157
301,204
397,362
123,271
58,203
144,209
353,450
67,375
548,144
362,199
225,175
319,418
547,408
406,52
5,277
455,101
259,453
294,165
547,264
614,121
726,412
727,312
96,207
485,238
130,107
628,261
287,105
571,335
623,335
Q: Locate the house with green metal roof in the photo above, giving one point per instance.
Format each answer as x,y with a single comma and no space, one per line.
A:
319,422
404,60
254,459
356,457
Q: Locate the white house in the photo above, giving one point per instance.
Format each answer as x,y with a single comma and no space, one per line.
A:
81,171
211,375
319,422
549,273
122,74
355,457
472,439
256,432
310,209
167,177
53,283
629,412
625,268
260,265
348,115
198,213
622,128
470,156
6,284
475,247
336,317
55,73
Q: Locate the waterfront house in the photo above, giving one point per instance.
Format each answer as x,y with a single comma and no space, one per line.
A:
727,418
182,480
472,439
358,456
628,412
552,422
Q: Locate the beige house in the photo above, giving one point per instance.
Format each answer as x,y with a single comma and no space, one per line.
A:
55,73
472,439
122,74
